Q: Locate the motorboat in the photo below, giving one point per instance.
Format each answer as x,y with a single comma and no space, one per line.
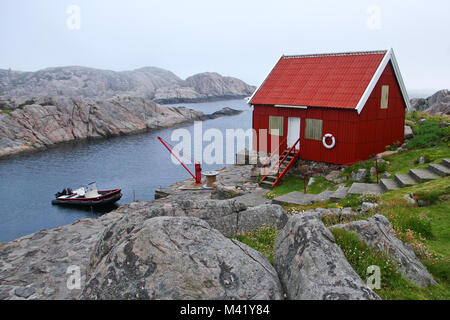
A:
87,196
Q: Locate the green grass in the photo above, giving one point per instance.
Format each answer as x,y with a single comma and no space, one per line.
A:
262,240
401,163
427,229
393,285
293,183
6,111
352,200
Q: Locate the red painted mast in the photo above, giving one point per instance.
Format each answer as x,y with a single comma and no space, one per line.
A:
198,170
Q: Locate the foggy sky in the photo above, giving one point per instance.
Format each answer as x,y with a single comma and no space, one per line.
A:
240,38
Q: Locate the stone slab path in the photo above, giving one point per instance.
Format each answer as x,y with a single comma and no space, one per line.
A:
415,176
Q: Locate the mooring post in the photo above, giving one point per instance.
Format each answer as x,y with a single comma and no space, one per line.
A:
304,183
198,173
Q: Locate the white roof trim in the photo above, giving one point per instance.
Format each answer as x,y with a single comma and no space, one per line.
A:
389,56
400,81
290,106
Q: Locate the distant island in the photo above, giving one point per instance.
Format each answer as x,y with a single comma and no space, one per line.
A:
161,86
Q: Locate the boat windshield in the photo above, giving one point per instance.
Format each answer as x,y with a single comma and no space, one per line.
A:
92,186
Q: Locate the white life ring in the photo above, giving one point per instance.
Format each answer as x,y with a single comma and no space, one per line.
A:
333,141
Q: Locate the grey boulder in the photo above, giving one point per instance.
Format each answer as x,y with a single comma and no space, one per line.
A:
179,258
311,266
408,132
360,175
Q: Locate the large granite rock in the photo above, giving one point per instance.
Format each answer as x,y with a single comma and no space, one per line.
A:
377,232
263,215
230,217
311,266
178,258
157,84
437,103
36,266
41,122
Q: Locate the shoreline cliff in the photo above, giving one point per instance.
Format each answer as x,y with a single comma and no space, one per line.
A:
42,122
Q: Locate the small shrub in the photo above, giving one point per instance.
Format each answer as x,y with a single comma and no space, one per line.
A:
372,198
26,103
353,201
393,146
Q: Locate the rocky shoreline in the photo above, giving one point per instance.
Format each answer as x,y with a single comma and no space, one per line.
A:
179,247
43,122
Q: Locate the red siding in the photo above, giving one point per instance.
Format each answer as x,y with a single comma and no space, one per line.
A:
357,136
378,127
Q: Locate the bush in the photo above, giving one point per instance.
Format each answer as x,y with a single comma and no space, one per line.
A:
353,201
372,198
393,146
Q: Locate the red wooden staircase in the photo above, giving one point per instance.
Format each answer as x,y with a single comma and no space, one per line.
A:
281,166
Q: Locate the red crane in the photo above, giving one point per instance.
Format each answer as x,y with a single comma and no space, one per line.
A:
198,169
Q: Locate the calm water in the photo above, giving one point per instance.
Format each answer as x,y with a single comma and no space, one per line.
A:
138,164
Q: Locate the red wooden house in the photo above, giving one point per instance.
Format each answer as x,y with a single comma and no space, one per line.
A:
340,107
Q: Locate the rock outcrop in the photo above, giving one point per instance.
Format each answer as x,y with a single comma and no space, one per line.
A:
377,232
156,84
37,266
179,258
437,103
230,217
312,266
41,122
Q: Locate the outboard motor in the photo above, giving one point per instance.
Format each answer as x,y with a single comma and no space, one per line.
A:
66,191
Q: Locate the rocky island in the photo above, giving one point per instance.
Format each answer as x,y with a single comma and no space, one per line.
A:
159,85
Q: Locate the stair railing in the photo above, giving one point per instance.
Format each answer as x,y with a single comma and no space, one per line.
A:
270,159
287,154
288,166
274,152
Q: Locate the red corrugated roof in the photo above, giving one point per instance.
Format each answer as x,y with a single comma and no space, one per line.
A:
323,80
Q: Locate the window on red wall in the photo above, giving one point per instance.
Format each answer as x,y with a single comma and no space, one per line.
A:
313,129
384,97
276,126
